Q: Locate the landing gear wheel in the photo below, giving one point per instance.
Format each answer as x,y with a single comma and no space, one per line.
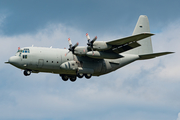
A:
64,77
80,75
27,72
73,78
88,76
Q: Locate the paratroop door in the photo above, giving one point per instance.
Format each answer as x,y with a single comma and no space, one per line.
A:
40,63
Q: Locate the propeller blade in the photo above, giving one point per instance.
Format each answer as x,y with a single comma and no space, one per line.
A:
87,36
92,50
75,45
92,41
70,43
67,53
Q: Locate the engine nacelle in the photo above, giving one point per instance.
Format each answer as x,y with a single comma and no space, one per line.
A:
103,55
69,65
101,45
80,50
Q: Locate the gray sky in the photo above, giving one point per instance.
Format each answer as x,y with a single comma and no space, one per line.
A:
142,90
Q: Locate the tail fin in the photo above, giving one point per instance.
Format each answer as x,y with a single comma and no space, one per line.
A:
146,45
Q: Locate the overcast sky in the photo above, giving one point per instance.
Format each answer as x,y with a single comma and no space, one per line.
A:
143,90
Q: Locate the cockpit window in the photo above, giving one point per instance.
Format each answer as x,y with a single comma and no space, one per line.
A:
19,50
24,56
24,51
20,54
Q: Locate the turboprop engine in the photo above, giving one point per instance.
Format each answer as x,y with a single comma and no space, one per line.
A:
97,45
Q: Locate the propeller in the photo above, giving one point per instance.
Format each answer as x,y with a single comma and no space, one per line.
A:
71,48
90,42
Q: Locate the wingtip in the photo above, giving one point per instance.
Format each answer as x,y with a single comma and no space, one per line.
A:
170,52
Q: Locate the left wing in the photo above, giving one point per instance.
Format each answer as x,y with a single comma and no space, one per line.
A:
127,43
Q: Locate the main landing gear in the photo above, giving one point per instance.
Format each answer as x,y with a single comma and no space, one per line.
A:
74,77
66,77
27,72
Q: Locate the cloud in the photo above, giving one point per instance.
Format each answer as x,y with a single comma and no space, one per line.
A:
178,116
147,87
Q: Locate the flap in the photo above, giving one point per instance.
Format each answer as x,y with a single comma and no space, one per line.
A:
125,47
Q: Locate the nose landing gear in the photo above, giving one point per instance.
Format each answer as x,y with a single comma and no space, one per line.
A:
27,72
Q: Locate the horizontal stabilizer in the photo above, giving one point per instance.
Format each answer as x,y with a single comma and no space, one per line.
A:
150,56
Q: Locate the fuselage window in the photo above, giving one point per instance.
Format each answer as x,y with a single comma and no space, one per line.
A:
52,61
20,54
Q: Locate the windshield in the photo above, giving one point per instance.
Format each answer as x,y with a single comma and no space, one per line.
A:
20,51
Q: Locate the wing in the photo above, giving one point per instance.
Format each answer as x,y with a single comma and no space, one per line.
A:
127,43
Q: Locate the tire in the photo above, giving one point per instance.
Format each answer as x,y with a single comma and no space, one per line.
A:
88,76
27,72
80,75
73,78
64,77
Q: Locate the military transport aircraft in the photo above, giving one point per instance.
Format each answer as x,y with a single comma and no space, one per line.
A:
95,59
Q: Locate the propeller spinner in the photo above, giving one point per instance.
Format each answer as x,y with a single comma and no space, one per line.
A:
90,42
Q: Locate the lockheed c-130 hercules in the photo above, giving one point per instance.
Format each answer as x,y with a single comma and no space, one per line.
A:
95,59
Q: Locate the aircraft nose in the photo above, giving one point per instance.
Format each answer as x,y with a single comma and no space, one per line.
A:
13,60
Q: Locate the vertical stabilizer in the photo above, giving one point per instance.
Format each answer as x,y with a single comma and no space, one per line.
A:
146,45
